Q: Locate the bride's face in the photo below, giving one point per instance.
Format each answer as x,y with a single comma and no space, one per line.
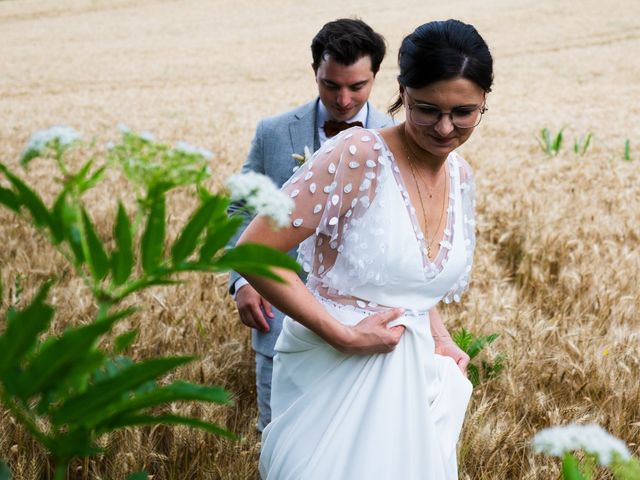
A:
443,115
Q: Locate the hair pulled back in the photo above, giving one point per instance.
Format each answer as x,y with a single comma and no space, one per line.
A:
443,50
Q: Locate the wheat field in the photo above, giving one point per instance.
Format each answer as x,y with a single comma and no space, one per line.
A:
558,258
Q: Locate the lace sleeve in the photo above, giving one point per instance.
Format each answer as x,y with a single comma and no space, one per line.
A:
467,190
332,191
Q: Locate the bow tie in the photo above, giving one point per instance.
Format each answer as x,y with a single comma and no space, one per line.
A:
331,127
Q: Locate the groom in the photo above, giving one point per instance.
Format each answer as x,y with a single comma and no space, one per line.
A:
346,58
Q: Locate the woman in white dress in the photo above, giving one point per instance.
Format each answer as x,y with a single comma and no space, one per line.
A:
367,382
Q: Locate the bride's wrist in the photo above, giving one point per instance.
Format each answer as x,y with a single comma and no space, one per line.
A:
341,337
442,338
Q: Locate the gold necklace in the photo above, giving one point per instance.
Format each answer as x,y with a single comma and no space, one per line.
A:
424,210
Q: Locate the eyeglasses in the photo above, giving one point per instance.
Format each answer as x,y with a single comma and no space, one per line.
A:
461,117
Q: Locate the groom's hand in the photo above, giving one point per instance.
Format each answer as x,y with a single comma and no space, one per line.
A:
252,308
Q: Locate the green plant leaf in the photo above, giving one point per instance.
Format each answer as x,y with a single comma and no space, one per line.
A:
124,341
23,329
122,258
474,374
256,259
138,420
10,199
29,199
59,215
188,239
218,236
94,250
142,475
62,359
88,183
152,243
5,473
175,392
570,470
99,396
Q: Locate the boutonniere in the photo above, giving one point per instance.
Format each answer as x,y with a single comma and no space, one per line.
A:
300,159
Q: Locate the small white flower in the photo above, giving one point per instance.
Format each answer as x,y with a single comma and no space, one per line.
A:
148,136
593,439
261,195
123,128
302,158
189,149
43,138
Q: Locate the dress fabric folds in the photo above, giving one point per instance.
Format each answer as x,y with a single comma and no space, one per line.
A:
385,416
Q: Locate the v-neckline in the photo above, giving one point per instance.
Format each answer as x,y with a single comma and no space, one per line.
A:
436,265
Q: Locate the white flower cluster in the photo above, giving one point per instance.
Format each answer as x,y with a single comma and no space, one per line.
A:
40,139
261,195
189,149
593,439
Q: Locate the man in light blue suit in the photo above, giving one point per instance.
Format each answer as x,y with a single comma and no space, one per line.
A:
346,58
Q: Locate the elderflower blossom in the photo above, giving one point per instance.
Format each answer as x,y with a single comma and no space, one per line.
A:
189,149
41,139
261,195
593,439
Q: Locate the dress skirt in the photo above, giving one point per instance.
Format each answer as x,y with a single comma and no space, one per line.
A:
385,416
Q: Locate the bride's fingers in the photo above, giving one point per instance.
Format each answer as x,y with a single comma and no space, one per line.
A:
389,315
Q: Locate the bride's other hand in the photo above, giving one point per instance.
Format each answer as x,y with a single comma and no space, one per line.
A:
372,334
448,348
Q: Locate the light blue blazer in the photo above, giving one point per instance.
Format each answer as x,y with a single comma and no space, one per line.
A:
276,139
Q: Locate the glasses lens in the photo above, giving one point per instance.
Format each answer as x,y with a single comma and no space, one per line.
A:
460,117
466,117
424,115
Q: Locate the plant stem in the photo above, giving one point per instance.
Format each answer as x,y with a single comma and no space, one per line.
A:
61,472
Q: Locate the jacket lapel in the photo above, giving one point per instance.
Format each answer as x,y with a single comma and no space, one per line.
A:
303,129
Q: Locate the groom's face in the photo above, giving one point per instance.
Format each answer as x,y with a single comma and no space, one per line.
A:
344,89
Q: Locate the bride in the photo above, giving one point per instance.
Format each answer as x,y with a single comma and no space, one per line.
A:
367,382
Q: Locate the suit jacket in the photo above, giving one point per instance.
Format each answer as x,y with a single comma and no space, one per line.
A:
275,140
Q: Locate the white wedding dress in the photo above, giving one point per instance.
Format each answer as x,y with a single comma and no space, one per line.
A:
392,416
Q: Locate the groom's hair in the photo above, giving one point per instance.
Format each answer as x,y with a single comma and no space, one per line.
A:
346,41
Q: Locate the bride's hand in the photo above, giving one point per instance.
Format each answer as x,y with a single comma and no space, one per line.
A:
448,348
372,334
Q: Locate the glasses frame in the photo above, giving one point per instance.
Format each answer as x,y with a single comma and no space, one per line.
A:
482,108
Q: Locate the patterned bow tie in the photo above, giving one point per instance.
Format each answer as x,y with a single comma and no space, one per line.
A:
331,127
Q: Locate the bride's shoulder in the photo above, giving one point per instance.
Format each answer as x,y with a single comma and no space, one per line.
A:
465,170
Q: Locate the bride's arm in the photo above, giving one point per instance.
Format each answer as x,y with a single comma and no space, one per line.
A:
371,335
444,343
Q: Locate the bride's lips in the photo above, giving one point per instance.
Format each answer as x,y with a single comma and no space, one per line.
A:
443,141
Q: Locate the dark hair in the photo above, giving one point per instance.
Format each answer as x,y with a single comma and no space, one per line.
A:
347,40
443,50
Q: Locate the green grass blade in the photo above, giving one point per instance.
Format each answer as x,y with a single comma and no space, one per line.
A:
188,239
23,329
152,243
94,250
88,406
627,150
122,258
